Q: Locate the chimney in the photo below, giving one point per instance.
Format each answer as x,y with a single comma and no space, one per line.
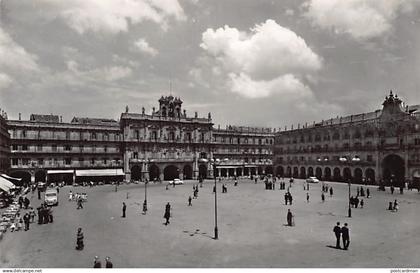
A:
20,116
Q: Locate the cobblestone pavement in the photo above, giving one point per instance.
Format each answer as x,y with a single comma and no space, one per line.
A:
252,231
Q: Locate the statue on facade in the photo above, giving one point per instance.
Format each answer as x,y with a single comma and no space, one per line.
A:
142,110
126,108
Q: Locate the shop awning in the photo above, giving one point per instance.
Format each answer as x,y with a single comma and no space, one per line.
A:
100,172
10,178
416,174
6,185
59,171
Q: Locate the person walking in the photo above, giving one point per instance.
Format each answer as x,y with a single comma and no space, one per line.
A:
356,202
367,193
331,191
307,197
39,194
97,263
392,189
167,214
26,202
323,197
395,207
189,201
337,232
70,196
50,215
39,215
124,208
289,218
290,198
79,203
32,214
79,239
26,219
108,263
345,233
362,203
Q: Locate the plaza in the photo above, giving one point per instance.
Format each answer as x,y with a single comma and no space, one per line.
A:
251,222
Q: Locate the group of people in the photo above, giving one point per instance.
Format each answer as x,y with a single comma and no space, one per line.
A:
327,189
45,214
22,222
97,263
344,233
288,198
80,198
23,202
393,206
355,201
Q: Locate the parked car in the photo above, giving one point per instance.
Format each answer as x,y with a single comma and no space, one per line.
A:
176,181
51,197
312,179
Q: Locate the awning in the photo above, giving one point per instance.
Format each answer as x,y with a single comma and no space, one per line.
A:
6,185
416,174
59,171
100,172
10,178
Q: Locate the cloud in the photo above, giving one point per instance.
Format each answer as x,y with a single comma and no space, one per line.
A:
361,19
143,46
268,59
113,16
5,81
109,74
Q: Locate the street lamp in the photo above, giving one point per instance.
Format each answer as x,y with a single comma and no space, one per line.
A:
349,213
145,188
215,163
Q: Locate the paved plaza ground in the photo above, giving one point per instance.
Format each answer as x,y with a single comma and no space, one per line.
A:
252,231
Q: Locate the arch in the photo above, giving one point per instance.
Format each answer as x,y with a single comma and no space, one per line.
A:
202,171
289,171
246,171
370,176
280,171
347,174
393,170
295,172
136,173
260,170
223,172
358,175
337,174
170,172
327,174
253,171
302,172
188,172
40,176
154,172
310,171
239,172
231,172
26,177
318,173
269,170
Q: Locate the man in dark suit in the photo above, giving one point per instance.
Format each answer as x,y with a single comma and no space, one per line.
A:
289,218
337,232
124,208
346,236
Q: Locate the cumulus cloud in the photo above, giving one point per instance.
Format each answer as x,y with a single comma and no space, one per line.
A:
361,19
113,16
270,58
143,46
5,81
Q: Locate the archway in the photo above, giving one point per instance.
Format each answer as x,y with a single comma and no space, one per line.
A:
358,175
347,174
188,172
327,174
136,173
393,171
223,172
40,176
295,172
269,170
26,177
337,174
318,173
202,171
239,172
289,171
246,171
310,171
260,170
302,172
253,171
280,171
370,176
154,173
170,172
231,172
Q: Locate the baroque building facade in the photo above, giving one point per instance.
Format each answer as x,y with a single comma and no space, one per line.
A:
4,142
383,145
162,145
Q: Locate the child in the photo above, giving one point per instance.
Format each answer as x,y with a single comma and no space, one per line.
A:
13,226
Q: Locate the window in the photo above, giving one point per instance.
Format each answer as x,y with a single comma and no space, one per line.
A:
94,148
23,133
135,155
154,135
336,136
25,161
137,134
105,136
24,147
105,149
15,161
81,160
67,161
81,148
92,161
54,148
417,141
67,135
369,158
39,148
105,161
93,136
40,161
14,147
67,148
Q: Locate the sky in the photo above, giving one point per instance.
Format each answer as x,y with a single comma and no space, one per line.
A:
249,63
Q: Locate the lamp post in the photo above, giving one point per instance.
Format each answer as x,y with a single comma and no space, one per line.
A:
349,213
145,188
216,229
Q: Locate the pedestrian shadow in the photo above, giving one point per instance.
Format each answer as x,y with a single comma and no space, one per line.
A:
197,232
330,246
